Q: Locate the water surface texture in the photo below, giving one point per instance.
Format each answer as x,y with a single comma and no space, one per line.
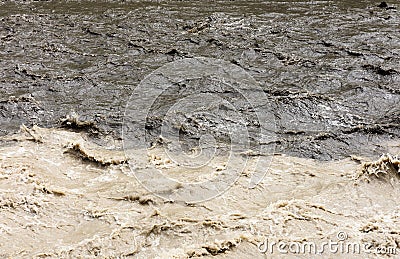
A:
329,68
78,170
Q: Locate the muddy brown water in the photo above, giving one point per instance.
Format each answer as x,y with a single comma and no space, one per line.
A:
56,202
331,78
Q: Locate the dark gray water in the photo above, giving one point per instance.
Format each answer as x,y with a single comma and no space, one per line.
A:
330,69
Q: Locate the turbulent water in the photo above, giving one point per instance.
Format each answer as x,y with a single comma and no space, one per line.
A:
329,68
324,82
62,196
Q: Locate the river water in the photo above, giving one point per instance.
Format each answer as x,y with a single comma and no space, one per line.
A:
328,82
